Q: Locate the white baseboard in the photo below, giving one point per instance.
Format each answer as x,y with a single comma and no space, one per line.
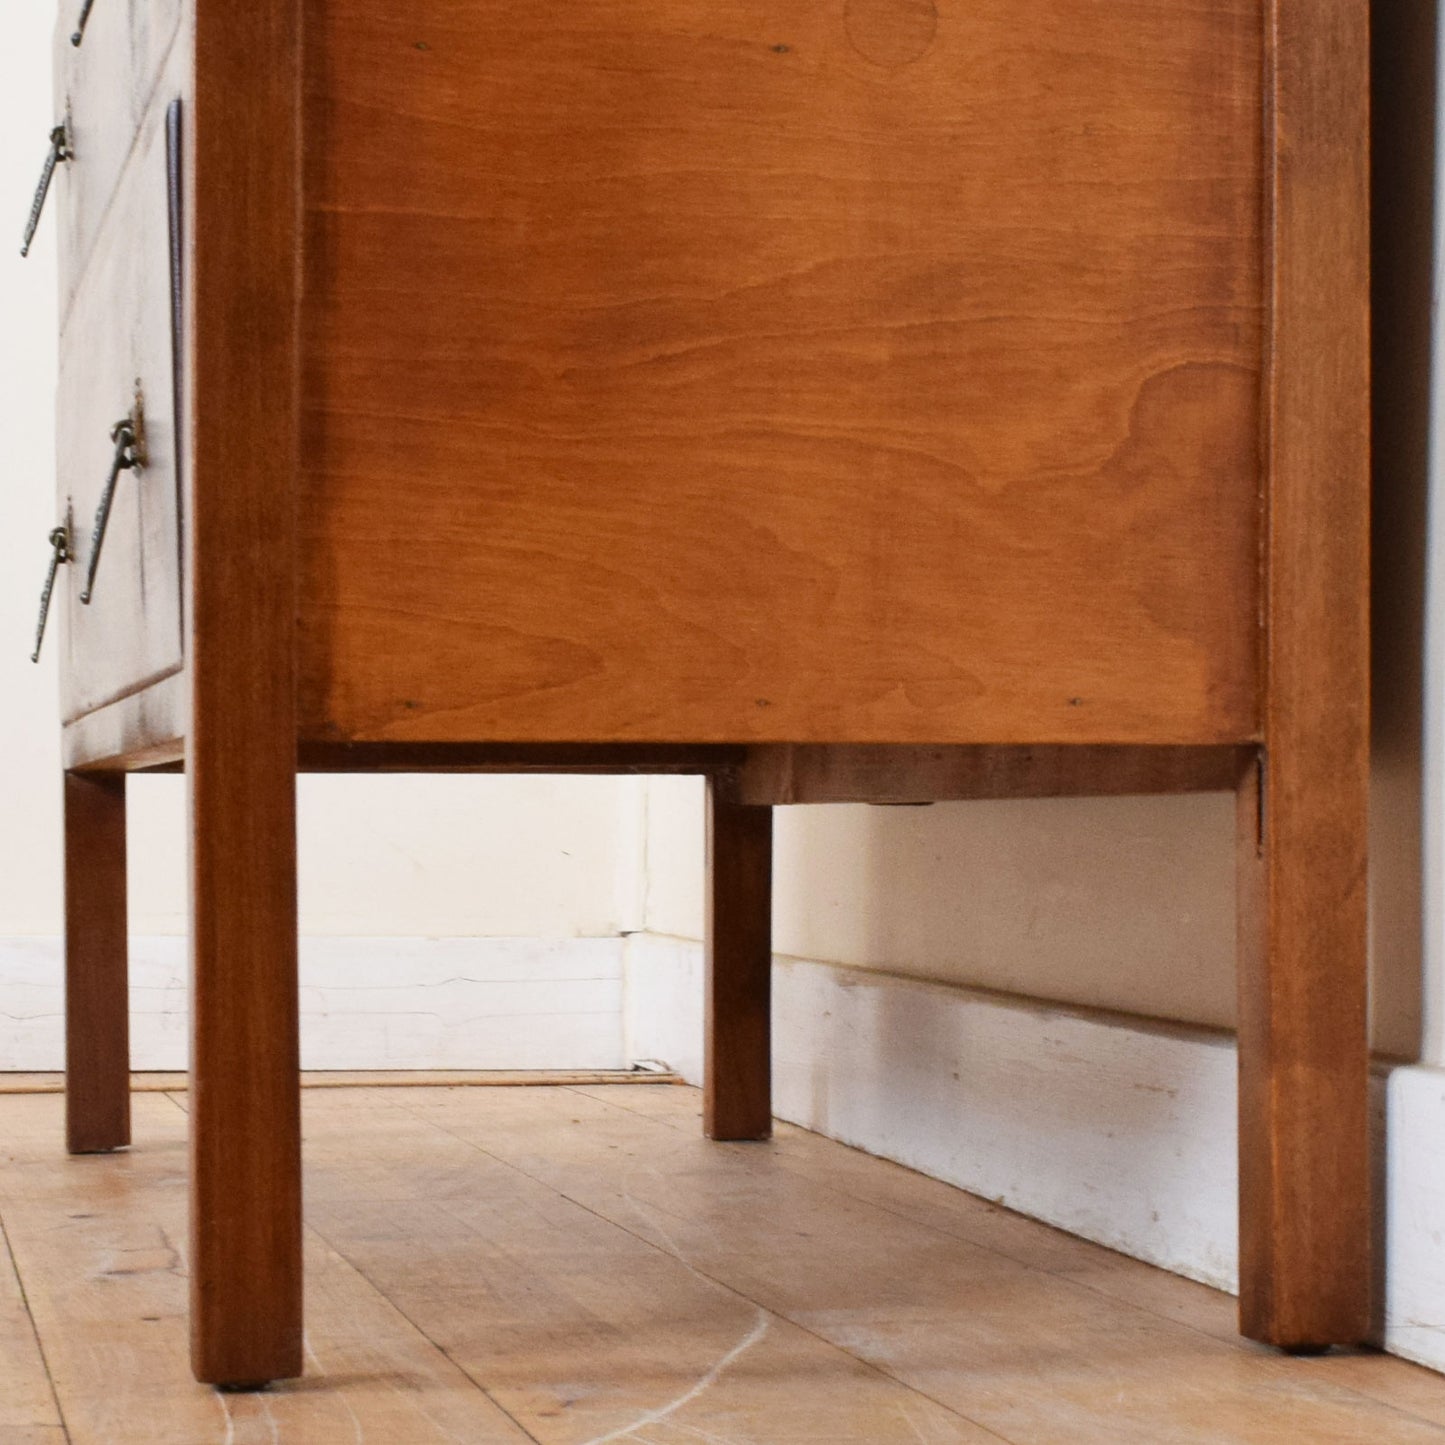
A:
1112,1128
366,1003
1414,1175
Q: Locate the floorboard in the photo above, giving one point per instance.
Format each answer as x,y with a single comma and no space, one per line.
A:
574,1265
99,1242
29,1414
971,1325
1392,1382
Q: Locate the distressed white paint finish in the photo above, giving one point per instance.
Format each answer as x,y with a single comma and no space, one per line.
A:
662,1002
366,1003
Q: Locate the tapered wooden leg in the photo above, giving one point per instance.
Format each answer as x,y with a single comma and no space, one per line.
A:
737,1082
97,1009
1304,1165
246,1283
245,1072
243,364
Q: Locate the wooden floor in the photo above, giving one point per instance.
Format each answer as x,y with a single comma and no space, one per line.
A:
576,1265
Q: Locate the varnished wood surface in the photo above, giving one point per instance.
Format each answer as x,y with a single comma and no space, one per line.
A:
103,89
826,773
505,757
738,967
118,348
97,999
1304,1152
591,1264
243,138
819,773
765,372
144,732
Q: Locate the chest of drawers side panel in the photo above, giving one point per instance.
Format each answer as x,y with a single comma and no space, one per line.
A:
782,374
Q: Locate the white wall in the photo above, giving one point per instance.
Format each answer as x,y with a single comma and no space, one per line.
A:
427,856
28,753
1118,903
552,857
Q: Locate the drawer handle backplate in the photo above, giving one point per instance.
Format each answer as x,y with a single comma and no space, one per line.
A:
129,456
59,553
59,151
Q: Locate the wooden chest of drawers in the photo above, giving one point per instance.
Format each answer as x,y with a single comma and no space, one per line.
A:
875,400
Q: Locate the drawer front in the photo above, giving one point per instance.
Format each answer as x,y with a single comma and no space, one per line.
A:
117,363
103,88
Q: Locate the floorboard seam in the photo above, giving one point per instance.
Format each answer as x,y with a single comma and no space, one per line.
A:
643,1174
437,1345
440,1348
35,1331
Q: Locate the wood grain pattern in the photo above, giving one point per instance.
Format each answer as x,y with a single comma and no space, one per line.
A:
718,378
764,773
1305,1259
738,990
505,757
97,1004
819,773
536,1295
241,746
116,357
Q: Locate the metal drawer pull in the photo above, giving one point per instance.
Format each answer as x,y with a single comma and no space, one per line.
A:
59,151
79,34
59,552
126,435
